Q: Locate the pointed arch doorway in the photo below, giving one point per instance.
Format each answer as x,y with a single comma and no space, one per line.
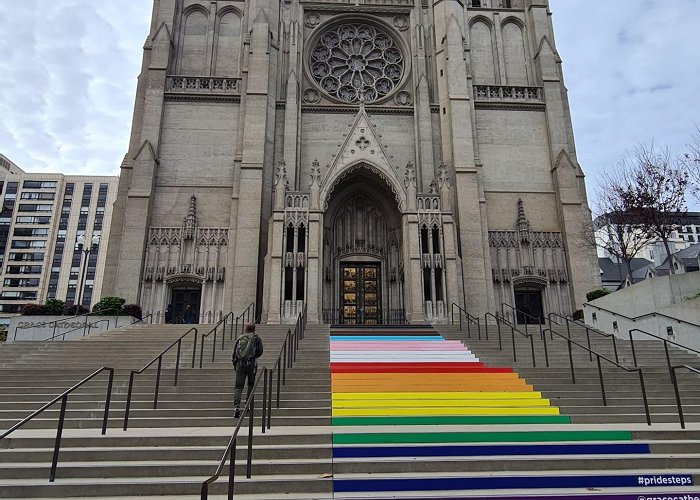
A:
362,252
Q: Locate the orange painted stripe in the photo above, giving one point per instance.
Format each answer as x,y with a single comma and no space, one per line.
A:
444,387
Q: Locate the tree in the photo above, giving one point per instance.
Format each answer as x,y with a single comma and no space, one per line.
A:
615,228
656,193
691,161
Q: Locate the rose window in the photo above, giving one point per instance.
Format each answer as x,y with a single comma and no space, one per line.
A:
351,61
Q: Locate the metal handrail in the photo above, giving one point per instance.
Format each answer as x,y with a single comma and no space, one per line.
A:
498,324
143,319
230,452
652,314
674,379
470,320
285,360
159,358
62,415
513,329
600,370
516,311
245,317
214,330
56,321
589,329
665,341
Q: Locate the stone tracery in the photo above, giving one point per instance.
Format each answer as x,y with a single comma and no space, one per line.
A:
353,62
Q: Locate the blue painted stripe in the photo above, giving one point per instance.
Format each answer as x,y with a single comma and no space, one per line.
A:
484,451
366,338
506,483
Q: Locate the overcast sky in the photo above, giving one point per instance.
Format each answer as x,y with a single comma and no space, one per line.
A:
67,86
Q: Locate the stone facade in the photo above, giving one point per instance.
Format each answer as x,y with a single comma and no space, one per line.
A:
368,161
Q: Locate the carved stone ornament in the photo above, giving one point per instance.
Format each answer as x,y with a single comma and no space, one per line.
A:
315,174
401,22
403,98
281,180
443,179
410,178
356,61
312,19
311,96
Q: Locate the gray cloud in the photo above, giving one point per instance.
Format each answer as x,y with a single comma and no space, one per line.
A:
68,77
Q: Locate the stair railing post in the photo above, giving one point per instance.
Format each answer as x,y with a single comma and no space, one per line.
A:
644,396
634,352
128,401
269,400
213,345
602,382
177,361
194,349
588,338
279,377
108,400
201,351
676,390
223,335
155,395
571,362
546,352
59,433
512,333
231,470
251,413
263,420
617,358
532,348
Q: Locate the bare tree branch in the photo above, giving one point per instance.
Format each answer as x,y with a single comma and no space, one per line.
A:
691,161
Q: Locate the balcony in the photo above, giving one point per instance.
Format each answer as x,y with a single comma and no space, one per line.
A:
206,85
508,94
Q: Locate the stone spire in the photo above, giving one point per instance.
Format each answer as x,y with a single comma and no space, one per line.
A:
191,219
523,223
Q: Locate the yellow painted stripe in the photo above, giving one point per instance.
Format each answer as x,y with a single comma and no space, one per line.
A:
444,403
435,395
390,412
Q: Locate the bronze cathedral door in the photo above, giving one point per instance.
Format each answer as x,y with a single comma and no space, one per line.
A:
360,294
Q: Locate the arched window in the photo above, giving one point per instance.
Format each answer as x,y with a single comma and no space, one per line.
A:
228,45
514,54
193,53
483,66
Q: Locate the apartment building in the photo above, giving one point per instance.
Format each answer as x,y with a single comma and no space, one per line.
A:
54,230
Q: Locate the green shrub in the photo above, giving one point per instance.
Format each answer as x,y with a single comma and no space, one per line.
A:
3,333
33,310
132,310
54,307
108,306
578,314
596,294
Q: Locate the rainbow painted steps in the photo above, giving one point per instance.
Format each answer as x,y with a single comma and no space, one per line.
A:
382,380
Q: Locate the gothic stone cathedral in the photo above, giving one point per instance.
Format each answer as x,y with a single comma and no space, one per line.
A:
365,159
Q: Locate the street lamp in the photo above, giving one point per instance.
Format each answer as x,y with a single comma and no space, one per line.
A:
80,240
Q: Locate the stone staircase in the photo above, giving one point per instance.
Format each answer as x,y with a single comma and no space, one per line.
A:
410,413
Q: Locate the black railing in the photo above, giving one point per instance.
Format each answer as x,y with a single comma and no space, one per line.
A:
63,397
568,321
601,380
529,336
385,317
159,359
637,318
470,320
244,318
523,318
671,368
674,379
285,360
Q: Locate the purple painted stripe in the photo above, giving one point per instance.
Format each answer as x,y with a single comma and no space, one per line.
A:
691,495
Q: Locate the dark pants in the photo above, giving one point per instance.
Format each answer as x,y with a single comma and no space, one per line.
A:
244,373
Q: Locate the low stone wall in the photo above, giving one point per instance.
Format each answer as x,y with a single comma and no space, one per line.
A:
648,302
39,328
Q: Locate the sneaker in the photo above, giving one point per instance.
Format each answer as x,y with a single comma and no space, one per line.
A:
237,413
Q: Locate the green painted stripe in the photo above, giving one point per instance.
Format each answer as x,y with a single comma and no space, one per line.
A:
481,437
492,420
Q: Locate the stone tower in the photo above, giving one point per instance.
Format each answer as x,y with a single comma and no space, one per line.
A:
364,159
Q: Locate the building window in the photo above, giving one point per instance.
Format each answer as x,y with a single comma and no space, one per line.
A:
39,185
